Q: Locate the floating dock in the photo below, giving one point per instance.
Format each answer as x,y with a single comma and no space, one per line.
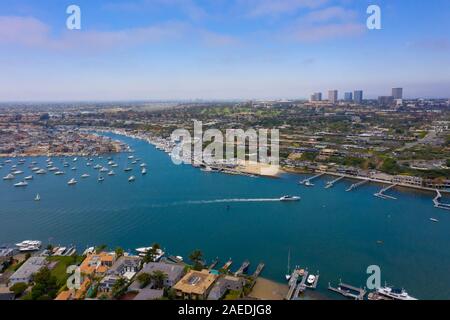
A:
308,180
243,268
356,185
438,204
213,264
348,291
380,194
227,265
296,287
331,184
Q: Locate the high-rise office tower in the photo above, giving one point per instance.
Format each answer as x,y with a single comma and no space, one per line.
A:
333,96
358,96
348,96
316,96
397,93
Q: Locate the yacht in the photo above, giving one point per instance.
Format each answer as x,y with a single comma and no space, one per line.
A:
29,178
66,165
143,165
115,165
72,182
396,294
311,279
88,164
29,245
74,169
37,198
75,159
111,173
309,184
41,171
144,171
289,198
131,179
59,173
130,157
434,220
85,176
9,177
103,169
35,169
17,172
100,179
53,169
21,184
134,162
143,251
110,163
97,166
127,169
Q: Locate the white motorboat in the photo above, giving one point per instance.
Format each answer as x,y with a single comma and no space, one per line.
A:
72,182
144,171
84,176
9,177
100,179
127,169
41,171
143,251
289,198
17,172
103,169
29,178
111,173
131,179
395,294
37,198
21,184
59,173
311,279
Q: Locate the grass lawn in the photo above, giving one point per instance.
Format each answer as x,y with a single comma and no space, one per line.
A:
59,271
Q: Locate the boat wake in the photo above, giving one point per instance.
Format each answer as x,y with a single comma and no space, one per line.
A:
232,200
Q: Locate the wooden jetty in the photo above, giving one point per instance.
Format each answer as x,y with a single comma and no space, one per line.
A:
292,284
227,265
243,268
296,287
437,202
348,291
213,264
308,180
381,194
258,270
356,185
331,184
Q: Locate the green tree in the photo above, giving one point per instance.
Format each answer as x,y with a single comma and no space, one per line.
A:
118,288
151,254
119,252
159,277
19,288
45,285
101,248
144,279
196,257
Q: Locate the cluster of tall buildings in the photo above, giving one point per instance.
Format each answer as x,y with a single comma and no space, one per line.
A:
333,96
357,96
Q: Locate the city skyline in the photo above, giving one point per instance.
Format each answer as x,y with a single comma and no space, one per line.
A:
223,50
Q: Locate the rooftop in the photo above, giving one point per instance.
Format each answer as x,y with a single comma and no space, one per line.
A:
196,282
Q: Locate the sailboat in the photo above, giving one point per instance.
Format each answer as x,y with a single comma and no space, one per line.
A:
288,274
37,198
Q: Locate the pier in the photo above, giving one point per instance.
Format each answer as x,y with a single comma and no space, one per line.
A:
243,268
438,204
348,291
308,180
292,284
296,287
356,185
380,194
331,184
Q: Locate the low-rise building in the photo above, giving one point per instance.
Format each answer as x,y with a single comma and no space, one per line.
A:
195,285
125,266
97,263
27,270
224,284
107,283
174,273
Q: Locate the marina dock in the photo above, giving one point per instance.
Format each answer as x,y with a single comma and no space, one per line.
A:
380,194
356,185
227,265
331,184
213,264
258,270
243,268
308,180
438,204
296,287
348,291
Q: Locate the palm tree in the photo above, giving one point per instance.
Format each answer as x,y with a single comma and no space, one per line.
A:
119,252
159,277
196,257
144,279
151,254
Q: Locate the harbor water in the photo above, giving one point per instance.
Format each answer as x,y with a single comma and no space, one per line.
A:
336,232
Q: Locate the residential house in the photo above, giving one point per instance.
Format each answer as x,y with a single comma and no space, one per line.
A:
223,284
195,285
27,270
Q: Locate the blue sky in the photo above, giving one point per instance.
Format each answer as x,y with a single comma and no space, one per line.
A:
221,49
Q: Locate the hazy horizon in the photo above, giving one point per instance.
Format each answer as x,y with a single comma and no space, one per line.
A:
171,50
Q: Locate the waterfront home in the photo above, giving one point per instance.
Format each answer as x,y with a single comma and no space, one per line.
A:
195,285
27,270
97,263
174,273
125,266
224,284
107,283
